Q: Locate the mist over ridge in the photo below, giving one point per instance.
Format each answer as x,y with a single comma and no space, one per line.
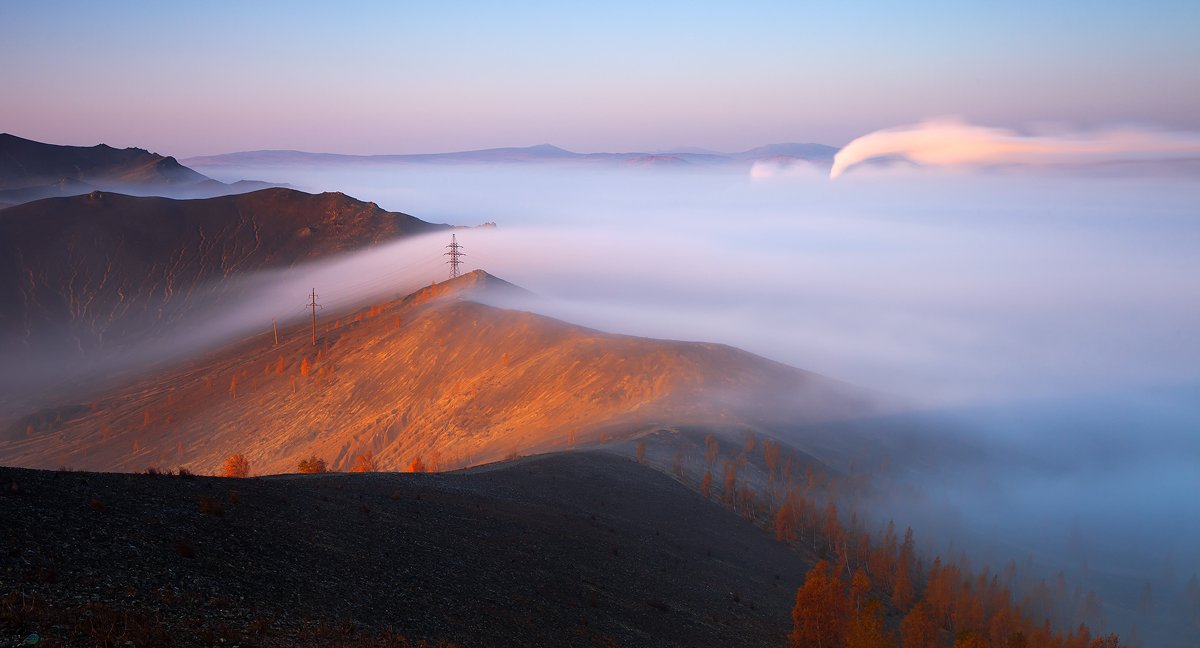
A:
1041,325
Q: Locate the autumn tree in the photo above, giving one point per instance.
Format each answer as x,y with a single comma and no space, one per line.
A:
233,391
365,462
821,612
416,465
866,628
918,629
640,451
235,466
903,592
787,520
729,481
312,465
706,484
771,454
971,639
750,442
710,451
902,589
859,586
677,462
831,528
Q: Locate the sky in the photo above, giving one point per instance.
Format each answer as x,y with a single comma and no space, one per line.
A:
385,77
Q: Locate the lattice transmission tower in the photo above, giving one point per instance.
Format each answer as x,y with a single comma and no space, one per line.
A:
456,254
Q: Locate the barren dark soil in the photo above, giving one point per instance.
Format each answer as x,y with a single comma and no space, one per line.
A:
582,549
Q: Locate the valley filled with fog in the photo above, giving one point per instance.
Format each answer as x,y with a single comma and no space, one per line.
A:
1039,327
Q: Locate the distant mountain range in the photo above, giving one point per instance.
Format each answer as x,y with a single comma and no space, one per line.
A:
812,153
32,170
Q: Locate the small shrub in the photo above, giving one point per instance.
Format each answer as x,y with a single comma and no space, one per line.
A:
312,465
97,505
235,466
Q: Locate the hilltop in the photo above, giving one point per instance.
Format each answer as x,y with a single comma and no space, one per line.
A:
433,375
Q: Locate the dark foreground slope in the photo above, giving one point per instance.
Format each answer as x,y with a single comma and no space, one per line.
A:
580,549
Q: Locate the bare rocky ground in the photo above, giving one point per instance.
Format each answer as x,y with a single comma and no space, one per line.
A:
574,549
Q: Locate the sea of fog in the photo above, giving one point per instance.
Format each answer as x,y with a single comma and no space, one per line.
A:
1044,325
939,286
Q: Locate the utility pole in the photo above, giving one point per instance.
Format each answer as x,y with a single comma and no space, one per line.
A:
456,254
313,303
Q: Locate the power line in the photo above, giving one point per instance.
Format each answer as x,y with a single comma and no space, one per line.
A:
313,303
456,254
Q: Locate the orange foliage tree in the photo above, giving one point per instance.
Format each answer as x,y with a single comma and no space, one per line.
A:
729,481
417,465
771,453
710,451
787,520
821,612
867,630
235,466
860,585
918,629
312,465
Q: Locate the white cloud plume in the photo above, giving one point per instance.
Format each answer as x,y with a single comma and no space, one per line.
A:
953,142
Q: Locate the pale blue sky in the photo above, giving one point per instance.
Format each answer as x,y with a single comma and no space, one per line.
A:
392,77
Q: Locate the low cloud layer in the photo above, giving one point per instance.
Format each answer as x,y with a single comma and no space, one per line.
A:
955,143
942,289
1047,323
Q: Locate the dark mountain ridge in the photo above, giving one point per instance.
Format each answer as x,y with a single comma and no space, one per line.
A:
86,273
31,170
